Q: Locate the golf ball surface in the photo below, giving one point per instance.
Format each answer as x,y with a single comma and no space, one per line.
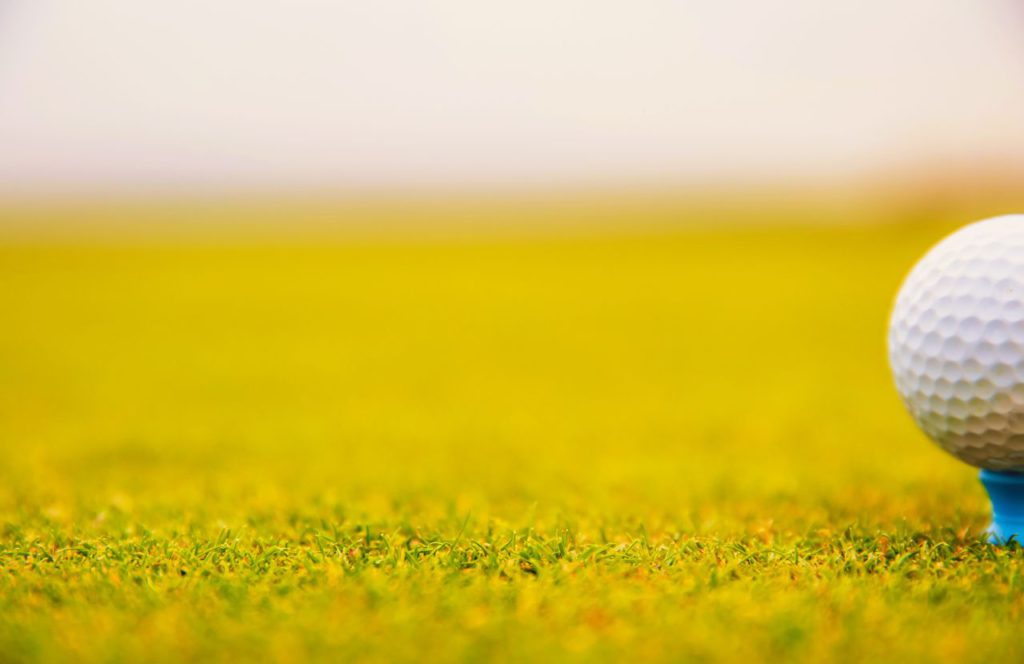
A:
956,343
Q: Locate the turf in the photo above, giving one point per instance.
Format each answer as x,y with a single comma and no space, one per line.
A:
605,446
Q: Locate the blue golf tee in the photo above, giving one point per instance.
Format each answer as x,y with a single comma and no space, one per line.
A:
1006,491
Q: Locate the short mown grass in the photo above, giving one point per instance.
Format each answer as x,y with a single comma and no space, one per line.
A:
662,444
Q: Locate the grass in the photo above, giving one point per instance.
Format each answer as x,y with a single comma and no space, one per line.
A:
662,444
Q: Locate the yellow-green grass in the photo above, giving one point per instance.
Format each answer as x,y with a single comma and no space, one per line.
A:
662,444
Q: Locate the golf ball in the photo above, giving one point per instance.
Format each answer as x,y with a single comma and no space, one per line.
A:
956,343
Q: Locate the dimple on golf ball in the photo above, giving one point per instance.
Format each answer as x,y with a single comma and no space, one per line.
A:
956,343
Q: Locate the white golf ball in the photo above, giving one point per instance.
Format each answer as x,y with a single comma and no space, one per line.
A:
956,343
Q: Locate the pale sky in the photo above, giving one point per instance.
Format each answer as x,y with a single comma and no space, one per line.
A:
236,93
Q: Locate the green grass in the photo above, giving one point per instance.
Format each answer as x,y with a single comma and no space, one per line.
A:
669,445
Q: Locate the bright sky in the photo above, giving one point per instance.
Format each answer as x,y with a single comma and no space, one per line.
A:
114,93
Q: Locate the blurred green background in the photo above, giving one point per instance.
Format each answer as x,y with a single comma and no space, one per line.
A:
663,363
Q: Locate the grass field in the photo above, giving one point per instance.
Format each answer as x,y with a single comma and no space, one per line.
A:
606,446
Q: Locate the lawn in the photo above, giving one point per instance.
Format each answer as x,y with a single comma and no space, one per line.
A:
664,443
